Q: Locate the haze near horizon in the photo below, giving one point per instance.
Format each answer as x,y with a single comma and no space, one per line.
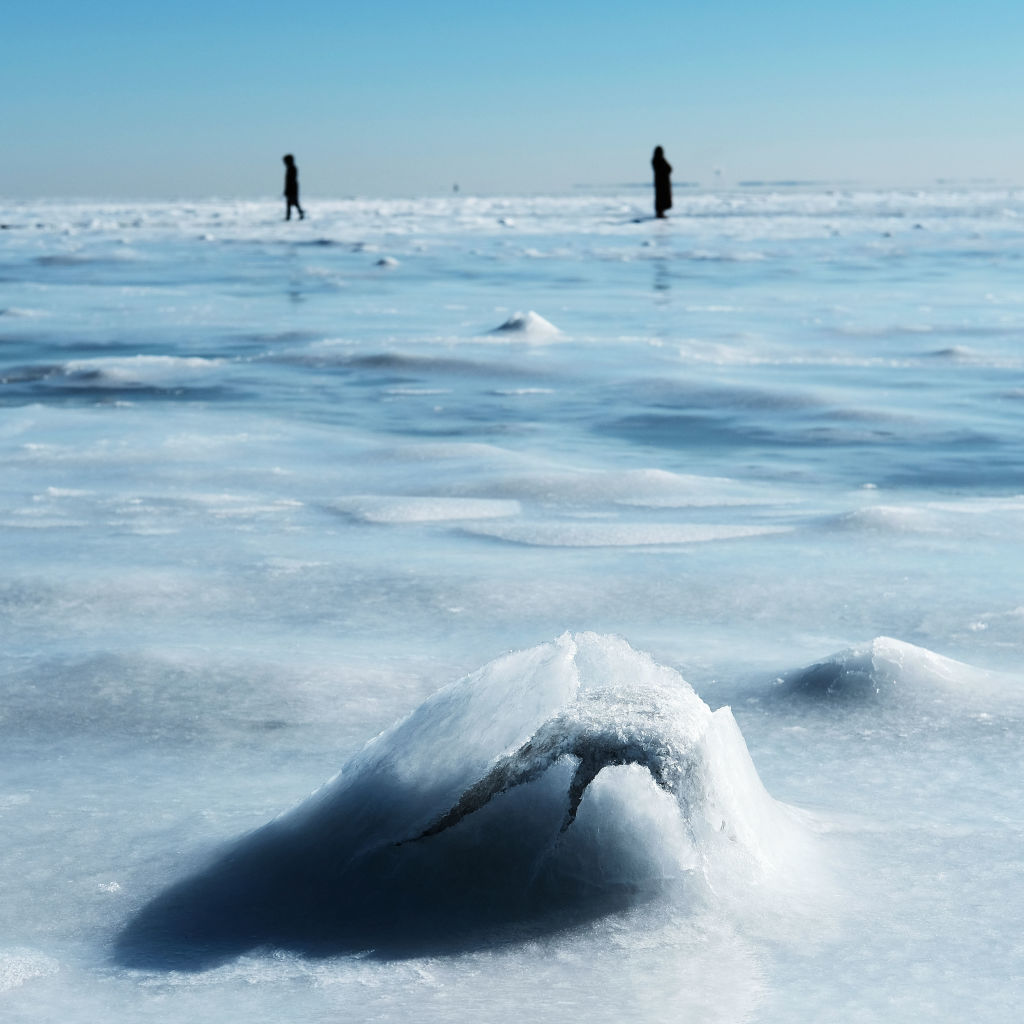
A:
115,101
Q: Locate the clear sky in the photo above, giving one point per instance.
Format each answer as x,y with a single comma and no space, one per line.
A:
110,98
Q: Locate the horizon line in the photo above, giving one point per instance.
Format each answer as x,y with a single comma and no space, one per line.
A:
609,189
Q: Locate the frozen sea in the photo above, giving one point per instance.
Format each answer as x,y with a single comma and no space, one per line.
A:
640,601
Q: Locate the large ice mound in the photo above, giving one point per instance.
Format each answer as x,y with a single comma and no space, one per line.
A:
549,787
886,669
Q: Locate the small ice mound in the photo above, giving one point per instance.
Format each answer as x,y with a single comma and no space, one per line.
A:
387,509
551,787
885,669
386,262
528,325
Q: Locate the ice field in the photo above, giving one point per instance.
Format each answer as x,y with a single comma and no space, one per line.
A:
501,609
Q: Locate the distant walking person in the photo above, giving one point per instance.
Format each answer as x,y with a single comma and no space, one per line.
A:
291,187
662,182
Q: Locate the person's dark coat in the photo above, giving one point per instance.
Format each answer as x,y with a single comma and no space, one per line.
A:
291,183
662,182
291,187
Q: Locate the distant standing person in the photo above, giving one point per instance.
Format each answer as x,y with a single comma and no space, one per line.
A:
291,187
662,182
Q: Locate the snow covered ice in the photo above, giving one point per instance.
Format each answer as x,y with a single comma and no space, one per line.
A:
653,589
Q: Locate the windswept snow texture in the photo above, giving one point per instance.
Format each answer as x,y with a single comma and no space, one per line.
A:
269,488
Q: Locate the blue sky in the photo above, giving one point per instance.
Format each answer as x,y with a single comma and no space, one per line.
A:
389,97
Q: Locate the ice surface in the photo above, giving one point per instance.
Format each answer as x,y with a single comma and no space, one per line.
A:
262,498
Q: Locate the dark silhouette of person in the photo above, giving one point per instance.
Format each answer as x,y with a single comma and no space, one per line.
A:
291,187
662,182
